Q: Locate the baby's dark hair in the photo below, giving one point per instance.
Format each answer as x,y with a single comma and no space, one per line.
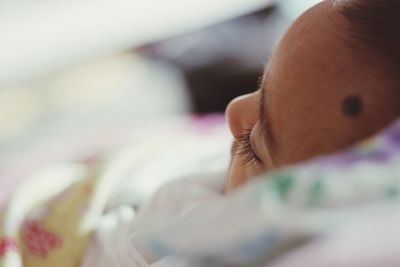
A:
375,25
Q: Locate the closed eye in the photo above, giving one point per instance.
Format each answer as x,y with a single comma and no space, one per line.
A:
243,148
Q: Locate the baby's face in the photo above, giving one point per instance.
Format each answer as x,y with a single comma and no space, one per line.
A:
312,100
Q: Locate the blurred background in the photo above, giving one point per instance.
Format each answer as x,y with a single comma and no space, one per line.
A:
80,75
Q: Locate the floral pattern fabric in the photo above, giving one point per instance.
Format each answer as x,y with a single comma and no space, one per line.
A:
267,217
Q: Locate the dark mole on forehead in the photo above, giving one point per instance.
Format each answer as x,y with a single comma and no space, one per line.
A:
352,106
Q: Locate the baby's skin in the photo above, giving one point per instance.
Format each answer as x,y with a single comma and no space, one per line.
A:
317,96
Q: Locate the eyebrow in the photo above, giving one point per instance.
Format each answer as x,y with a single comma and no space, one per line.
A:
264,114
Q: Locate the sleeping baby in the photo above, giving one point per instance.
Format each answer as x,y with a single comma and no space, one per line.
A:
331,82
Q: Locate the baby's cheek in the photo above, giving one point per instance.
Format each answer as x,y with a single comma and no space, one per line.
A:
239,173
236,174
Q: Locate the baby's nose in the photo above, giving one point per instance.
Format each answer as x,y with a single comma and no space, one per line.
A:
241,114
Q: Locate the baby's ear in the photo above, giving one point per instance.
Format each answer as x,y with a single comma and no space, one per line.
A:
352,105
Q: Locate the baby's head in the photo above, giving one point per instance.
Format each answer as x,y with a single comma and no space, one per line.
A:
333,80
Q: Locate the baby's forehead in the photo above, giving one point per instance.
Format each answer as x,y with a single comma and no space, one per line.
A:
316,43
313,17
314,63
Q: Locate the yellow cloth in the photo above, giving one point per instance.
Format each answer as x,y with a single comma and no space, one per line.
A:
40,232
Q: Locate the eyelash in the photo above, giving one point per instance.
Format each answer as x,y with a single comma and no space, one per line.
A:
244,149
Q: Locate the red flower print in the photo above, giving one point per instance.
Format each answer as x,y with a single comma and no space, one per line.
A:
39,241
6,245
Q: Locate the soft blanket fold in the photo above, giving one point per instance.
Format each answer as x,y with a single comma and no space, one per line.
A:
260,224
